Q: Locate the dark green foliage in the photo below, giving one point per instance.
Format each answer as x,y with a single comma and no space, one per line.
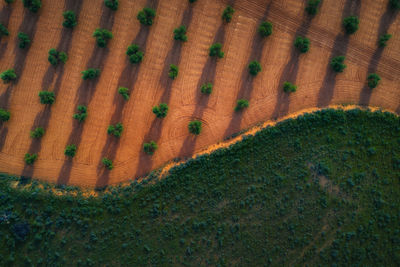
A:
312,7
9,1
8,76
302,44
124,92
206,88
134,53
254,67
70,151
4,115
350,24
180,33
173,71
56,57
227,14
146,16
30,158
37,133
3,30
241,104
32,5
216,50
47,97
161,110
192,1
69,19
383,39
337,63
150,148
289,87
116,129
195,127
24,40
394,4
81,115
90,74
373,80
107,163
111,4
265,29
102,36
21,231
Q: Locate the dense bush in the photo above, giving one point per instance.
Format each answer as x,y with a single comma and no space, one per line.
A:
373,80
9,1
289,87
30,158
69,19
312,7
241,104
265,29
90,74
150,147
107,163
102,36
116,129
383,39
350,24
302,44
81,115
395,4
4,115
216,50
56,57
124,92
161,110
254,67
21,231
3,30
206,88
24,40
146,16
195,127
37,133
337,63
134,53
227,14
111,4
173,71
8,76
70,151
192,1
32,5
180,33
47,97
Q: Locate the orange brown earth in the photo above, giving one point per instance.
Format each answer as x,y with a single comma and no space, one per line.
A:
149,84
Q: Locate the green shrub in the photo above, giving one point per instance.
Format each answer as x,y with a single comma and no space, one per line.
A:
227,14
302,44
350,24
195,127
70,151
37,133
8,76
111,4
265,29
161,110
150,148
81,115
254,67
173,71
134,53
241,104
216,50
32,5
56,57
90,74
337,64
102,36
124,92
30,158
180,33
373,80
312,7
9,1
192,1
4,115
24,40
116,129
289,87
146,16
69,19
3,30
47,97
395,4
383,39
107,163
206,88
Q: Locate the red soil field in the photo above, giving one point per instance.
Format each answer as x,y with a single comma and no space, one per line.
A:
150,85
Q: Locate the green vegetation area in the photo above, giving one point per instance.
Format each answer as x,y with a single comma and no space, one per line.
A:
322,189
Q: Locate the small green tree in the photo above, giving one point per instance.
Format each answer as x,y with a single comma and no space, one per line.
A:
173,71
24,40
37,133
9,1
69,19
302,44
47,97
265,29
350,24
146,16
124,92
216,50
150,148
32,5
134,53
289,87
111,4
195,127
90,74
70,151
227,14
337,64
107,163
4,115
206,88
254,67
161,110
383,39
8,76
102,36
312,7
3,30
394,4
30,158
180,33
116,129
373,80
241,104
56,57
81,115
192,1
